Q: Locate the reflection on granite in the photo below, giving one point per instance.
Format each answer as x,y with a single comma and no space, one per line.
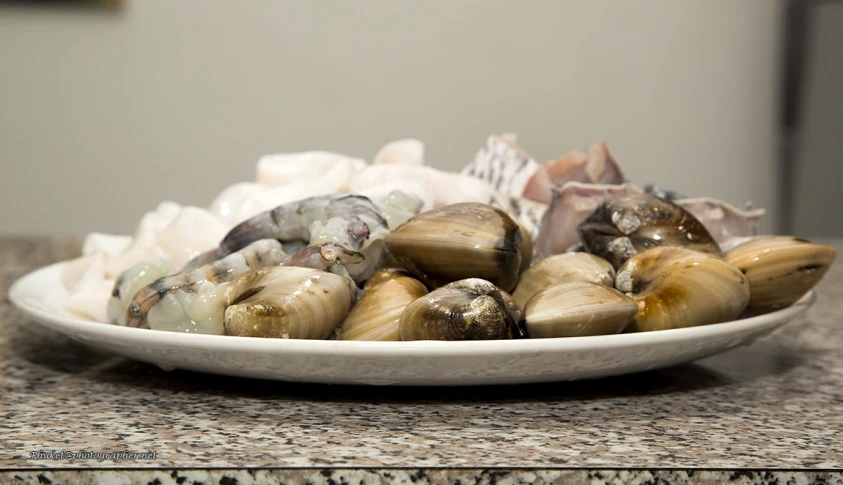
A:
777,404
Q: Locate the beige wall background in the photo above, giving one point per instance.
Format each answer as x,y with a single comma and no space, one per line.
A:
104,115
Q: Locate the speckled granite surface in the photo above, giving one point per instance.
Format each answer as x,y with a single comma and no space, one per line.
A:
422,477
775,405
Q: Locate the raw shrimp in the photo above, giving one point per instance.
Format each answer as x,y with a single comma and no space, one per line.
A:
350,220
130,282
330,257
186,301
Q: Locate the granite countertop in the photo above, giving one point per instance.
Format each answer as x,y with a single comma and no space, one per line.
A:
771,411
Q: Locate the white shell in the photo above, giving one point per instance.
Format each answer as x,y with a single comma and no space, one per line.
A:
504,165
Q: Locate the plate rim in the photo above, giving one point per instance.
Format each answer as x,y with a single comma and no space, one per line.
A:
76,326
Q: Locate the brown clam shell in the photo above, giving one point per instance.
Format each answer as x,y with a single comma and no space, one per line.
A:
624,226
454,242
780,269
470,309
376,315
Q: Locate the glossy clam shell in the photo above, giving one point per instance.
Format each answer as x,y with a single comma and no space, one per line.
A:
383,275
471,309
780,269
578,308
286,302
676,287
468,240
376,315
561,268
624,226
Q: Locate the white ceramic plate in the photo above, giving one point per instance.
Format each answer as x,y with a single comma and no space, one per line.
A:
40,294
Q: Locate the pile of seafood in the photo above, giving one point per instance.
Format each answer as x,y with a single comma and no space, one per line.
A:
324,246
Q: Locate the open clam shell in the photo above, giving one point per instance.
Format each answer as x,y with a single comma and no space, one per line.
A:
578,308
454,242
780,269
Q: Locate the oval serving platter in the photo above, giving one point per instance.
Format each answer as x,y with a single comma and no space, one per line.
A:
41,295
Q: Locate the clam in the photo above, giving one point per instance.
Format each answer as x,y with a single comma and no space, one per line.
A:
376,315
780,269
578,308
623,226
470,309
561,268
383,275
677,287
286,302
458,241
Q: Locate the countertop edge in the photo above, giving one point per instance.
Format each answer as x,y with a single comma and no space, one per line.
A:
419,476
